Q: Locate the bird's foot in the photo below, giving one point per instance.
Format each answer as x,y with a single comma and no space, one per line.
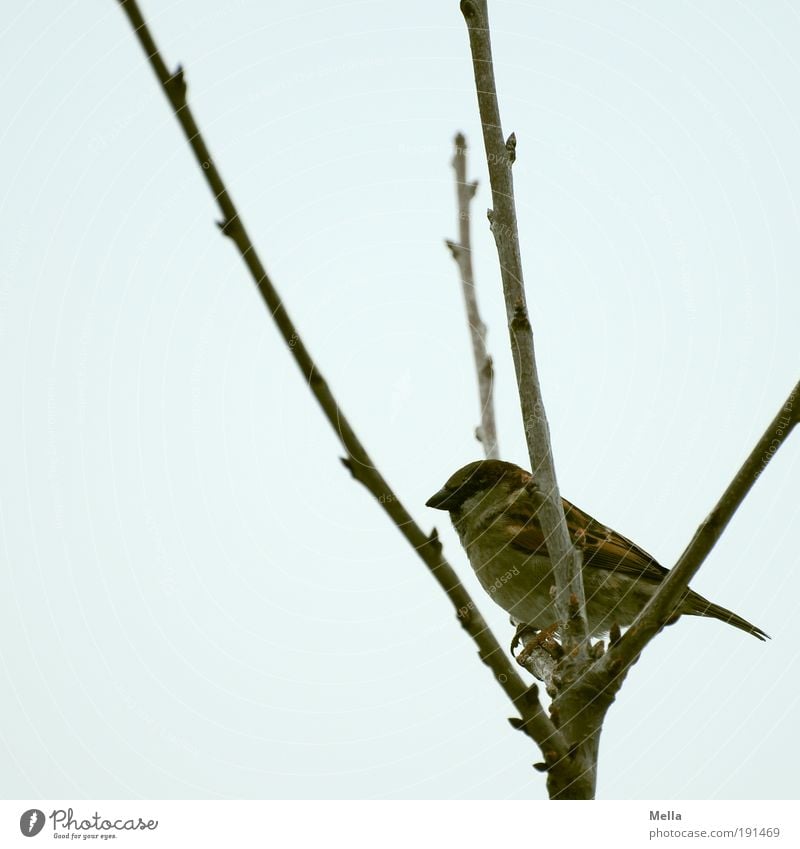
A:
541,638
522,631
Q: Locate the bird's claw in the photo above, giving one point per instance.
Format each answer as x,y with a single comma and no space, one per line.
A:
542,638
522,631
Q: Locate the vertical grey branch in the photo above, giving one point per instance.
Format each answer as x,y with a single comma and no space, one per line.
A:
462,254
500,156
587,678
583,737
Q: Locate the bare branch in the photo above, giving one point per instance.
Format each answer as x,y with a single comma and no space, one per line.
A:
664,602
534,722
585,680
462,254
577,777
500,156
584,699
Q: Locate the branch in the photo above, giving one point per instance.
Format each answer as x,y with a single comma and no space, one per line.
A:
663,603
462,254
534,722
584,699
585,680
579,704
503,217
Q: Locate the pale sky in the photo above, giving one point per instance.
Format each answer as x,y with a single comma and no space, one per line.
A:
197,601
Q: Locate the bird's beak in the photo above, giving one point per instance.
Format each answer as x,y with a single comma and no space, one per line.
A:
441,500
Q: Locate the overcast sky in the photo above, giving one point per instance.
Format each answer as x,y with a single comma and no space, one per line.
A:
197,601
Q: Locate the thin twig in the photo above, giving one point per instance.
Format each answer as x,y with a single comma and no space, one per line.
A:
500,156
534,721
486,432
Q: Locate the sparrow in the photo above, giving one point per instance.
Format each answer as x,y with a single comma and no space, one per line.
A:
493,507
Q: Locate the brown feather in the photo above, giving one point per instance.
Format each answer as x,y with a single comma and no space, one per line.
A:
603,547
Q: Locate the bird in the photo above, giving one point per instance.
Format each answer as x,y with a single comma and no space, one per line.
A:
493,506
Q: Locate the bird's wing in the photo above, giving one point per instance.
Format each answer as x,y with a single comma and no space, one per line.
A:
603,547
606,549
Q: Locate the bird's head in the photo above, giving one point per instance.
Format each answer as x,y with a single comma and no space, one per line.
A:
472,484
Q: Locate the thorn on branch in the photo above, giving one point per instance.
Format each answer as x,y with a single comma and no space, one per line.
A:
226,227
531,695
455,248
541,767
511,148
551,759
460,148
614,635
469,10
348,464
434,541
176,86
520,322
464,616
473,188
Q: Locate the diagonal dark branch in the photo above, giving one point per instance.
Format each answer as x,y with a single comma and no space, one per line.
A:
589,692
462,254
534,721
500,156
658,610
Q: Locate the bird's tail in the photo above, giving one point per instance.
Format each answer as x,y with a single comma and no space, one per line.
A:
696,605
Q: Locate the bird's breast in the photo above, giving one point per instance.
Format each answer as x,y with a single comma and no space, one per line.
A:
519,583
